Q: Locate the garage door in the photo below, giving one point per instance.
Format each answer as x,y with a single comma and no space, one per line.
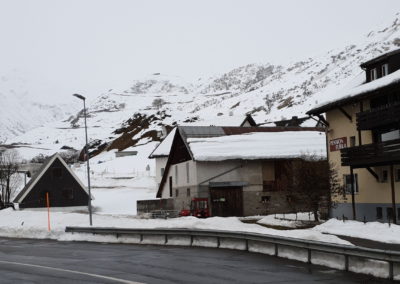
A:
226,201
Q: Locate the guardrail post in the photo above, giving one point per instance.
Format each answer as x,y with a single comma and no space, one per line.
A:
391,274
166,239
141,237
309,256
218,242
191,240
276,249
247,245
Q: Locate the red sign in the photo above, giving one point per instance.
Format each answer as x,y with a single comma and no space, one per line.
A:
337,144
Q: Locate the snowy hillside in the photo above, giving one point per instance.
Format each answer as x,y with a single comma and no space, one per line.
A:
21,110
119,120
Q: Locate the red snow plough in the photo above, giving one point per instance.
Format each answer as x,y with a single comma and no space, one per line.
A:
198,208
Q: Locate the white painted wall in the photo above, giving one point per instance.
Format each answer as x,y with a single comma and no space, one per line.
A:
161,162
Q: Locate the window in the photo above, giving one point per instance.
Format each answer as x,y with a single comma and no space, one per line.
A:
176,192
379,213
187,172
176,174
162,171
57,172
265,199
397,174
372,74
269,185
68,193
384,176
188,192
385,69
347,183
389,212
352,141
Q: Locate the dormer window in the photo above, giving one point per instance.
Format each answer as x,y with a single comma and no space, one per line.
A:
385,69
373,74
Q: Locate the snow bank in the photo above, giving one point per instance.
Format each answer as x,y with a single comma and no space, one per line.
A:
33,224
375,231
286,220
265,145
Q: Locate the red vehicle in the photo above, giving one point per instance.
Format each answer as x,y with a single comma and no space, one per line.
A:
198,208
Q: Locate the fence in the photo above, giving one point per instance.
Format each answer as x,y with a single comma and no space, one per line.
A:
313,252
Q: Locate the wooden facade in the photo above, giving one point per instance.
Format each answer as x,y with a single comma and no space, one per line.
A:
57,179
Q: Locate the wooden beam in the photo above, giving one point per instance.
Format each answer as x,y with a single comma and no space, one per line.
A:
359,131
346,114
321,118
353,202
393,194
374,174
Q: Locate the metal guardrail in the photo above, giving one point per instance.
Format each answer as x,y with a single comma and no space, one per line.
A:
347,251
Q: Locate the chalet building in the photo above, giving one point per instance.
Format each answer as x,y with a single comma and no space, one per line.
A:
161,152
364,142
59,181
239,170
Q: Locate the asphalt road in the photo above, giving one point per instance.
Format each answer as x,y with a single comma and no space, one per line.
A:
44,261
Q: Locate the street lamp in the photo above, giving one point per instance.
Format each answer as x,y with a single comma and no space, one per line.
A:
87,156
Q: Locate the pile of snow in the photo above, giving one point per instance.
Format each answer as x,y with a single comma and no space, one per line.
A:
287,220
375,231
259,145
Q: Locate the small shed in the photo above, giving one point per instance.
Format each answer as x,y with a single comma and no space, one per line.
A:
57,179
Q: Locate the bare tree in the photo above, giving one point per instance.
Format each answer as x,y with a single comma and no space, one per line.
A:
158,103
9,178
314,182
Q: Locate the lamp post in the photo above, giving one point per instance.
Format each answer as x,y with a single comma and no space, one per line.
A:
87,156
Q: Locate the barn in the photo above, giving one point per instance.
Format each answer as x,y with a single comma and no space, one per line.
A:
238,170
57,179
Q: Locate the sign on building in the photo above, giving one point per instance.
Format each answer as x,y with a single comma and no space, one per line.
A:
337,144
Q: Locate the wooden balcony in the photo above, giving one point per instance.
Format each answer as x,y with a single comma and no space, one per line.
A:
376,118
370,155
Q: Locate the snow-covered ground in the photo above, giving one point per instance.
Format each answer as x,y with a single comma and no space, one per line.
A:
33,224
375,231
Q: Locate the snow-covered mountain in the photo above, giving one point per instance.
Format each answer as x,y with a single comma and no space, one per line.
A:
118,120
20,109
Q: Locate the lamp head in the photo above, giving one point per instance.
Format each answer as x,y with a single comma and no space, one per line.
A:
79,96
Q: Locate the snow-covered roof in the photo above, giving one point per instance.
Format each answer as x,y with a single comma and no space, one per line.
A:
259,145
163,149
356,91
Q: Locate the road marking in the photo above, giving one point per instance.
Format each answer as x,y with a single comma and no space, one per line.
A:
72,271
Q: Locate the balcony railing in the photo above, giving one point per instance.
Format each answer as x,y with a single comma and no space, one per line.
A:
375,118
369,155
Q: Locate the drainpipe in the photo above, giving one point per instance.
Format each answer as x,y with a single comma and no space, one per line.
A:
393,194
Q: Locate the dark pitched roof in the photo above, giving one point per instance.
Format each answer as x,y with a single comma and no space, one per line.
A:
250,120
379,58
36,177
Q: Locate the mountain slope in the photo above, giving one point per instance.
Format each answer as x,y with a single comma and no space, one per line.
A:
118,120
20,109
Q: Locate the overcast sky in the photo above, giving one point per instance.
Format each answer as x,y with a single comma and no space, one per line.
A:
89,46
